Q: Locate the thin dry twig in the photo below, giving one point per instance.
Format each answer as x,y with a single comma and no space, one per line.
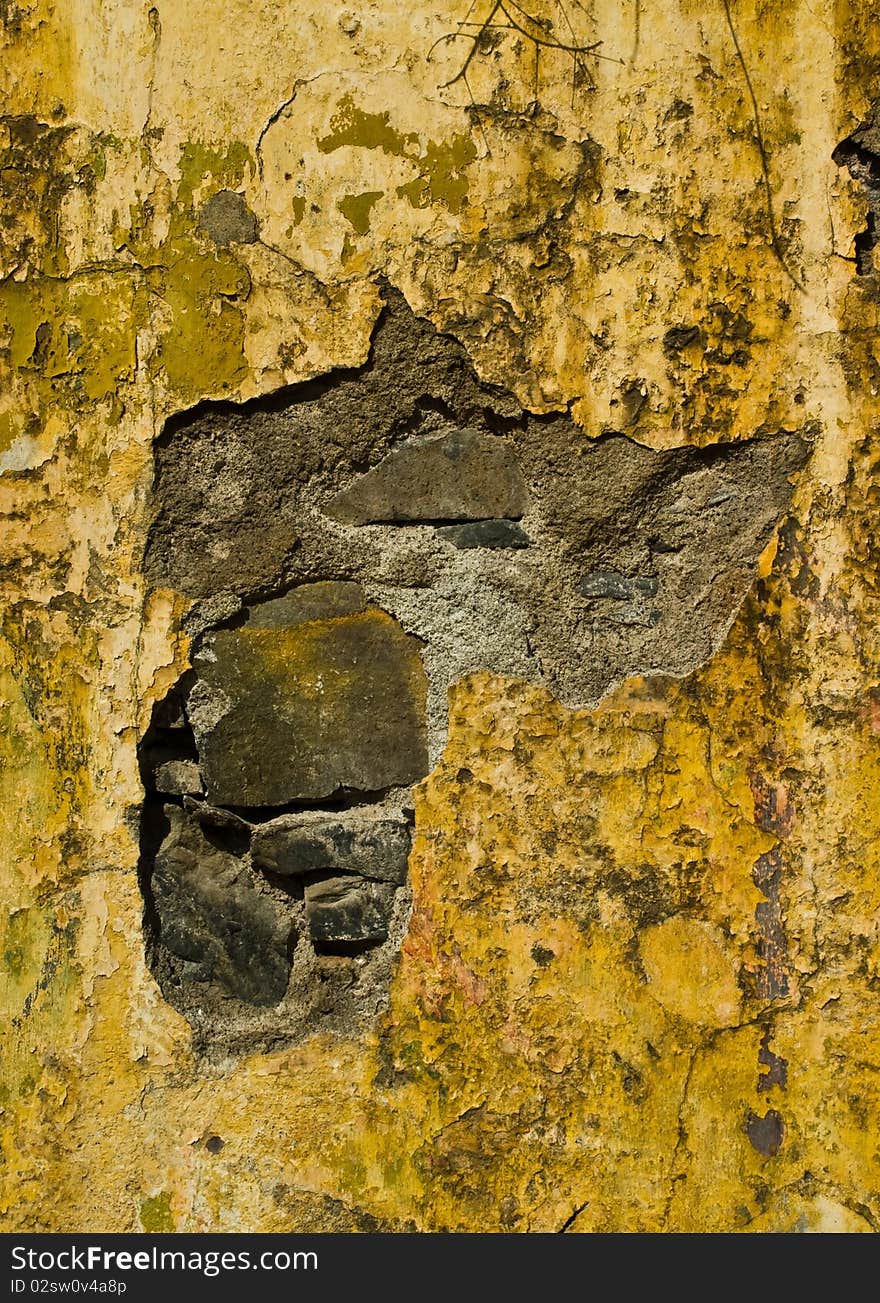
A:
762,150
510,15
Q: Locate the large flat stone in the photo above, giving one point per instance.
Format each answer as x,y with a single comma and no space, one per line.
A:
290,708
213,920
465,475
294,845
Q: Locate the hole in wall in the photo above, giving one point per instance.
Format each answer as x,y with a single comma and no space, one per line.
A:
351,547
859,153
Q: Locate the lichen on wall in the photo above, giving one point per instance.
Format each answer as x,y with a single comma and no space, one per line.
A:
631,982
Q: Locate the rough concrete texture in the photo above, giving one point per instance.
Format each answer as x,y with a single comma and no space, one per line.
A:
259,497
630,983
226,218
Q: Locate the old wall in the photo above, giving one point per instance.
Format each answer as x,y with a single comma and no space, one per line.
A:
631,981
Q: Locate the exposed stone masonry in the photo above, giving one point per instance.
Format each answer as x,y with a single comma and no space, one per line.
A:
353,546
310,696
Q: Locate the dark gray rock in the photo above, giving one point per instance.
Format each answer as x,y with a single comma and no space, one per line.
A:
213,817
485,533
464,475
178,778
299,710
299,844
627,595
619,588
766,1133
213,922
343,910
226,219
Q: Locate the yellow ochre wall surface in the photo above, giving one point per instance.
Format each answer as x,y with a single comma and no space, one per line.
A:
554,1053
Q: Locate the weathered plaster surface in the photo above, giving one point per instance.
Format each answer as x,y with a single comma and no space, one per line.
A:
638,989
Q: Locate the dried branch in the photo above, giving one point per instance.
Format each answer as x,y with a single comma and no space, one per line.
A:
762,150
510,15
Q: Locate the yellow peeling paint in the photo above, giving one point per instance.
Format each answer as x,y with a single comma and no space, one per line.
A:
597,991
710,995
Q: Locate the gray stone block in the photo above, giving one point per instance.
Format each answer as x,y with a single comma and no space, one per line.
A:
619,588
178,778
213,920
295,845
465,475
341,910
292,708
485,533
